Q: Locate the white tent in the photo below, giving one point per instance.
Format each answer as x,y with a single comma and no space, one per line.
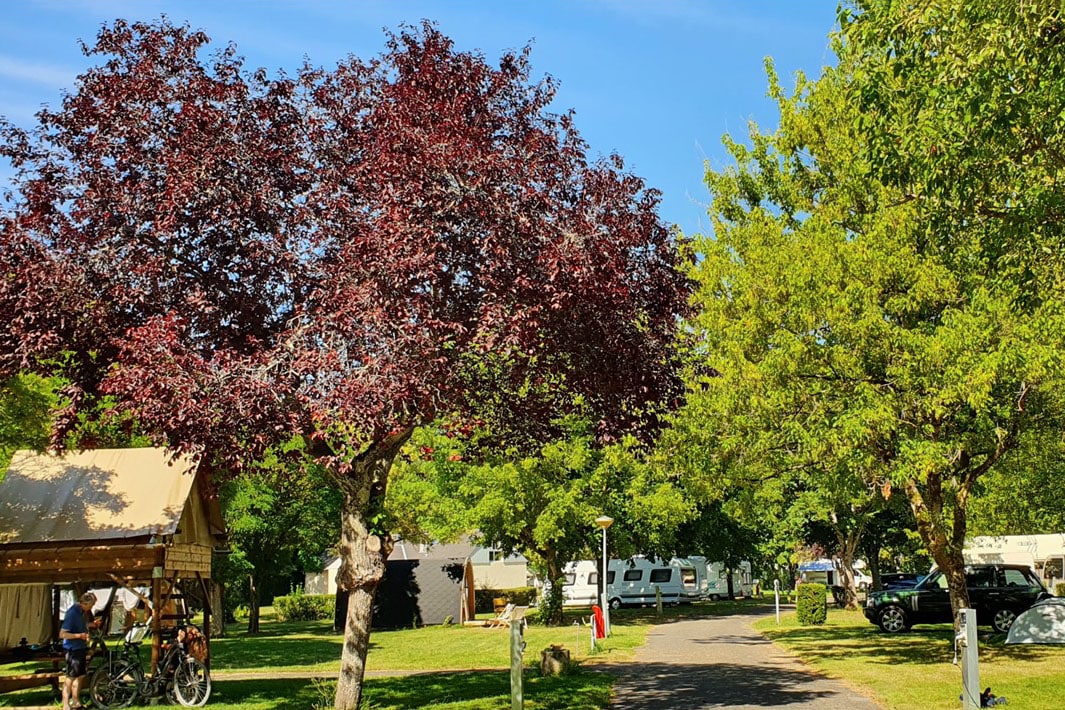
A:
1044,622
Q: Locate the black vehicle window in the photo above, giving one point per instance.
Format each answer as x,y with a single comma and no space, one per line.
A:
593,579
1015,578
980,577
610,577
660,575
633,575
935,581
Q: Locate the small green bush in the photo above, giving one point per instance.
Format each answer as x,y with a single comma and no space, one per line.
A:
810,604
1059,589
298,606
520,596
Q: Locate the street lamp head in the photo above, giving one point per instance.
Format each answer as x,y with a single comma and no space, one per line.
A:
604,521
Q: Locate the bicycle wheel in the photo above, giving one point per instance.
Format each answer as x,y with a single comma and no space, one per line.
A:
192,682
114,686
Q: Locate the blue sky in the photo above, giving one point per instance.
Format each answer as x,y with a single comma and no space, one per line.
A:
658,81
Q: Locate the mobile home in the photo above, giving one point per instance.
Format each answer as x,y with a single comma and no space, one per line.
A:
635,582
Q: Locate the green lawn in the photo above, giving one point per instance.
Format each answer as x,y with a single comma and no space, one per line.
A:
914,670
458,667
466,668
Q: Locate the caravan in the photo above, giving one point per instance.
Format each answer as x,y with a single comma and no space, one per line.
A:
635,582
715,575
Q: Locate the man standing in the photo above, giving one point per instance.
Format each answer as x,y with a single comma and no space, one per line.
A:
75,635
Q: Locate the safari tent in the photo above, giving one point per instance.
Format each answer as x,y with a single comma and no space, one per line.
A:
139,519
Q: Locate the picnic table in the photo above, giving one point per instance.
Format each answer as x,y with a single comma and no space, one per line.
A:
46,668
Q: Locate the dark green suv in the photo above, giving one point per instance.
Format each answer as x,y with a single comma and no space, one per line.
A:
998,593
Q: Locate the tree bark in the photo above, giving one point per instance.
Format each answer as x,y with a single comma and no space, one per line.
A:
848,549
944,545
214,602
253,605
364,550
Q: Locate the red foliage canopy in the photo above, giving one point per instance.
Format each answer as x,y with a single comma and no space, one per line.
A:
241,258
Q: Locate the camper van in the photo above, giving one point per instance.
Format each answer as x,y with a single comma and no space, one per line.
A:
631,582
714,584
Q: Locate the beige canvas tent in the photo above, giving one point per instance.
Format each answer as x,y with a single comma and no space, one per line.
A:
134,517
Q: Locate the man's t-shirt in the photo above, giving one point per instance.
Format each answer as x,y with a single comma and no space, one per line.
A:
74,623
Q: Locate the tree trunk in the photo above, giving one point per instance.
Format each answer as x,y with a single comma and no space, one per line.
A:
553,604
214,603
253,605
848,547
873,551
729,582
363,553
944,545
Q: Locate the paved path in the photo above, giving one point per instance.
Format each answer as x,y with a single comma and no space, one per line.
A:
722,662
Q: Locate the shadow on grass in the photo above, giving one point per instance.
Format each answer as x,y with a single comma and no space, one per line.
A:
932,644
652,686
272,693
581,689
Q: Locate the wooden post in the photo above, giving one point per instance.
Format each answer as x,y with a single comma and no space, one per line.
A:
206,616
157,607
517,647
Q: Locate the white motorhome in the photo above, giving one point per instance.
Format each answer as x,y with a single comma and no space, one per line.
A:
635,582
1043,553
715,575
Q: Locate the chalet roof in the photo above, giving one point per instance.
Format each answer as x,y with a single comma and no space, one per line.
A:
99,495
404,550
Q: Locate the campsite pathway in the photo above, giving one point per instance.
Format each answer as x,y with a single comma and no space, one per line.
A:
722,662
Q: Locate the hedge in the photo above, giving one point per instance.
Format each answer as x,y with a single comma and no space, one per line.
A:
298,606
810,604
519,596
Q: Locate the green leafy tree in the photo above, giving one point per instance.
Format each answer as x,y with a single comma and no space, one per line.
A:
541,503
27,406
876,310
279,522
1023,497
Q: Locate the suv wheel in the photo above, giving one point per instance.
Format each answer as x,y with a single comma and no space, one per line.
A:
1003,620
893,619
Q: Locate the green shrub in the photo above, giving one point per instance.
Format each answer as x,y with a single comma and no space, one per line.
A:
520,596
298,606
1059,589
810,604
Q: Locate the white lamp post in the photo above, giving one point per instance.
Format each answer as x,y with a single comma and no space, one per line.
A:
605,521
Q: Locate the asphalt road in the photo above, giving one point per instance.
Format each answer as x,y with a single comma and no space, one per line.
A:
722,662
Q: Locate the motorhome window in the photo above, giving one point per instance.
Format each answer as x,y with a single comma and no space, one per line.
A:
633,575
593,579
660,575
687,576
571,579
610,577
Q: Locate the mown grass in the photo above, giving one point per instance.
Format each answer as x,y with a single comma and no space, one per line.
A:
454,667
915,669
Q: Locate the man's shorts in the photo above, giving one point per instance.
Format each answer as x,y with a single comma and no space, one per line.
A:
76,665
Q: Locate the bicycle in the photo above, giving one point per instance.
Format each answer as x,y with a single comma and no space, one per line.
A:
120,680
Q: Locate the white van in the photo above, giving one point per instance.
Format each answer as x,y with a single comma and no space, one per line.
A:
631,582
